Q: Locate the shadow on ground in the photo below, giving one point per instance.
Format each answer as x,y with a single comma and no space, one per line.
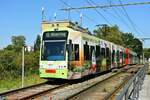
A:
73,81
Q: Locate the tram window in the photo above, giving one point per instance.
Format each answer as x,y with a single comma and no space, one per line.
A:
123,55
107,52
73,52
97,51
103,52
117,54
113,55
86,52
120,54
53,51
70,50
76,51
91,50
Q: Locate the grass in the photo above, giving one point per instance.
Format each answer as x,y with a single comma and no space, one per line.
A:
148,70
9,84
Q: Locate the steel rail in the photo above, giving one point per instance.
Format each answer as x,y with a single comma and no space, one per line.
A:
20,89
6,94
110,94
42,92
126,87
76,94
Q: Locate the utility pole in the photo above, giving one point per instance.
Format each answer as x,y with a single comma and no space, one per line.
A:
143,51
68,14
55,15
81,16
143,39
23,48
43,13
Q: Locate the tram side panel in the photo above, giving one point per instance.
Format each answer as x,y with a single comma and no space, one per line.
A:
86,63
75,55
89,55
94,58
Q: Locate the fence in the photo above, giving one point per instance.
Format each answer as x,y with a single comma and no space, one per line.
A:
132,88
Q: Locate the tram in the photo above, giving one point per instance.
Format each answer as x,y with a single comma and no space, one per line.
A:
69,51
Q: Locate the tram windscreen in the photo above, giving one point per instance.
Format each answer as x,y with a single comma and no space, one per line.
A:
53,51
53,46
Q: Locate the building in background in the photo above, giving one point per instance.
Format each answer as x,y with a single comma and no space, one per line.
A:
29,49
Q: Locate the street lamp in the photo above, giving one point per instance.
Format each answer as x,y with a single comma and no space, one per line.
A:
142,39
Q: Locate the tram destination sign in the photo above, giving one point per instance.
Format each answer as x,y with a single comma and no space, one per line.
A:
55,35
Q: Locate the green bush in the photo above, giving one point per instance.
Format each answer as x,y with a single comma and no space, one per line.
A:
11,63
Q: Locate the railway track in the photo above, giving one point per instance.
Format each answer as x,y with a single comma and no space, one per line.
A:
30,92
82,90
108,88
45,91
132,71
101,89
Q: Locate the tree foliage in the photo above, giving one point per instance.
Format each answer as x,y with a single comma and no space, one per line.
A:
7,65
147,53
11,59
18,42
112,34
37,43
133,43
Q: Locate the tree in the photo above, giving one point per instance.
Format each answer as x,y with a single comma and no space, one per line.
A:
147,53
128,40
11,59
7,65
9,47
138,47
112,34
37,43
132,43
18,42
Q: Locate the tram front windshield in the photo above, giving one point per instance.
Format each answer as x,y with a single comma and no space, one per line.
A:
53,51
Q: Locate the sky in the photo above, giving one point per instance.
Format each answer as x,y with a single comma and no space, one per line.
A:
23,17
